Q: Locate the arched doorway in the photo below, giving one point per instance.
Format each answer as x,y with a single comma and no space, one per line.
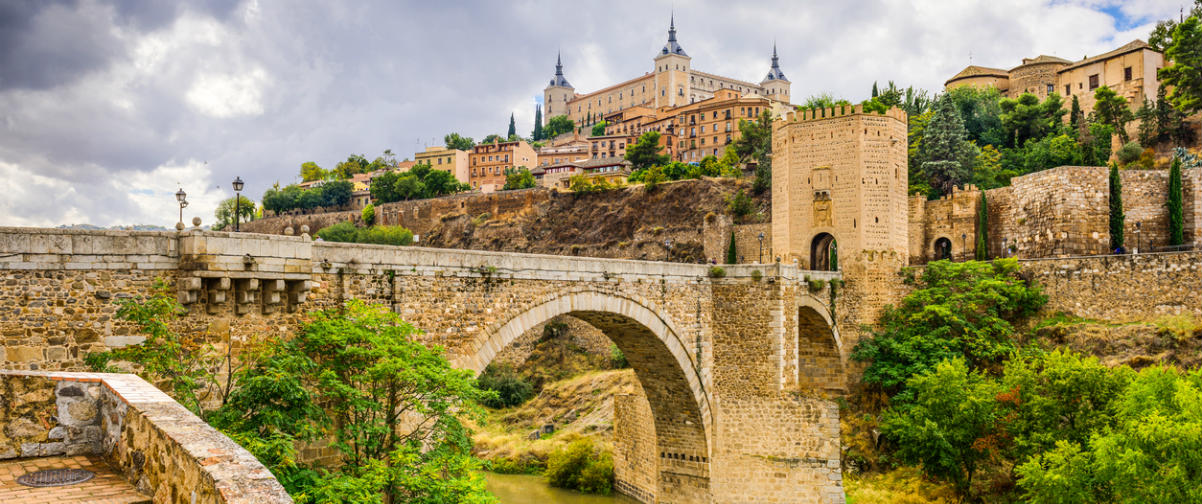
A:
679,403
824,253
819,350
943,249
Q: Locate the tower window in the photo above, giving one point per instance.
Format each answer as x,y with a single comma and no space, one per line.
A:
1127,73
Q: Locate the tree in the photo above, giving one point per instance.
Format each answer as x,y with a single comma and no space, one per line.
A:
354,164
493,137
982,246
1112,109
645,153
822,100
1026,118
964,310
732,253
454,141
368,214
874,91
1176,216
309,172
537,134
558,125
519,178
755,143
336,193
1116,209
513,128
981,112
1184,76
391,404
1163,36
1075,116
739,204
244,207
944,422
599,129
987,170
948,157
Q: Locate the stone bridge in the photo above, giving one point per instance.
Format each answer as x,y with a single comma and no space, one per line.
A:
735,365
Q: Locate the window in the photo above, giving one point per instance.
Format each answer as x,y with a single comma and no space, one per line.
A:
1051,89
1093,82
1127,73
1068,89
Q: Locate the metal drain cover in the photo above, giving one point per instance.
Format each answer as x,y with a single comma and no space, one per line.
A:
55,477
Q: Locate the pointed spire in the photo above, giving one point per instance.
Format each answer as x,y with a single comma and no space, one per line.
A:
559,79
672,47
672,28
774,73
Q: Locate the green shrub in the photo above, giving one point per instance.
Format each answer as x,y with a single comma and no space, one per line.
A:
369,214
739,204
511,389
1130,153
617,359
717,272
340,232
581,466
816,285
756,275
385,235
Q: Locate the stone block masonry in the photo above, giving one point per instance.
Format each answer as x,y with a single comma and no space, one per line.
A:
1123,288
159,446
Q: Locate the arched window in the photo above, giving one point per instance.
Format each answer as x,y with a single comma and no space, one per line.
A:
943,249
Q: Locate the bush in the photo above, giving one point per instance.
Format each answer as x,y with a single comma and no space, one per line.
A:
511,389
581,466
1130,153
717,272
617,359
369,214
340,232
739,204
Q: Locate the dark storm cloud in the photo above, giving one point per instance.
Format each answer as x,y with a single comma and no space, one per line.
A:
105,106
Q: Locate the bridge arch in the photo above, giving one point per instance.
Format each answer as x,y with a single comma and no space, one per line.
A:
819,348
655,349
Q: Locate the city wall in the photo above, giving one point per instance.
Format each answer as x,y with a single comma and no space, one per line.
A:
1055,213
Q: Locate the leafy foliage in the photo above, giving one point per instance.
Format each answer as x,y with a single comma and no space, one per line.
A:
1174,204
420,182
581,466
958,310
537,134
599,129
1117,218
292,197
558,125
243,207
947,156
1184,75
454,141
739,204
755,143
379,235
646,152
732,253
519,178
507,386
584,184
982,245
1112,109
368,214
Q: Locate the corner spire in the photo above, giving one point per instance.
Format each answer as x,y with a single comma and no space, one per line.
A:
559,79
672,47
774,73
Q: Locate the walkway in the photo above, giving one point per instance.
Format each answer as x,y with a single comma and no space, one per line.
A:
108,487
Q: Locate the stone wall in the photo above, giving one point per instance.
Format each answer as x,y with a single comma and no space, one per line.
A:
158,445
635,454
577,332
1121,288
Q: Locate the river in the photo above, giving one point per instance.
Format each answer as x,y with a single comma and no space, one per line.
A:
527,489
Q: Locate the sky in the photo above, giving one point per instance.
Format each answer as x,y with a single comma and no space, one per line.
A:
108,107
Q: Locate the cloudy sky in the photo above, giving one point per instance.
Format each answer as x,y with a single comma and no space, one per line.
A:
107,107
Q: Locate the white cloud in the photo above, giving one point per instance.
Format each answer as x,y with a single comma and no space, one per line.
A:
225,96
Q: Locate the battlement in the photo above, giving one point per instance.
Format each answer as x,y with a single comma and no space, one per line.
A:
818,114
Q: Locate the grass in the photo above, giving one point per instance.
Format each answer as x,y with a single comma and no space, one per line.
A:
904,485
1180,327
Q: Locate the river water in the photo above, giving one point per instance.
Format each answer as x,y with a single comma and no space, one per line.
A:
527,489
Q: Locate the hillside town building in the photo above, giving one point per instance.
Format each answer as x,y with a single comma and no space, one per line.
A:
489,162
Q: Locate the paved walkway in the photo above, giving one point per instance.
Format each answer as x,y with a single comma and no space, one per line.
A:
108,487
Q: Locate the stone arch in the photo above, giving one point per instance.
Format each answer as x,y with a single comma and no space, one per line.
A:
824,248
652,344
941,248
819,348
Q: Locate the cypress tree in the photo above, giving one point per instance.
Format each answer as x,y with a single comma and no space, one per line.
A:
1176,217
732,254
874,91
1075,116
513,129
983,229
1116,208
538,123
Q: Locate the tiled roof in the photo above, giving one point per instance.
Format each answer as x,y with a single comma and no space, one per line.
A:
1134,45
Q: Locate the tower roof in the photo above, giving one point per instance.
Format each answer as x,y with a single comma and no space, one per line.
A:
774,73
672,47
559,80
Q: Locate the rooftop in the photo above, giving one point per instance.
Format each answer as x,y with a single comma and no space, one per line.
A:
1134,45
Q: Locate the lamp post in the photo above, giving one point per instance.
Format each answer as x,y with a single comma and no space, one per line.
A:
1137,223
667,249
761,238
182,198
237,202
964,245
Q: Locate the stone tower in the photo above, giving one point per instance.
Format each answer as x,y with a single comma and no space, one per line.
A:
776,85
557,93
839,201
672,85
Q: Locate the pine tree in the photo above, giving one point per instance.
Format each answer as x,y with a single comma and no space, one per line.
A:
1116,208
732,254
947,156
1075,116
513,127
1176,217
538,123
983,229
874,91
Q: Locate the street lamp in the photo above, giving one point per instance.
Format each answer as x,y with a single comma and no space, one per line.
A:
182,198
761,238
964,244
667,249
1137,223
237,202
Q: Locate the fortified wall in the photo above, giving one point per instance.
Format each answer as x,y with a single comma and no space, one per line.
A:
1059,212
